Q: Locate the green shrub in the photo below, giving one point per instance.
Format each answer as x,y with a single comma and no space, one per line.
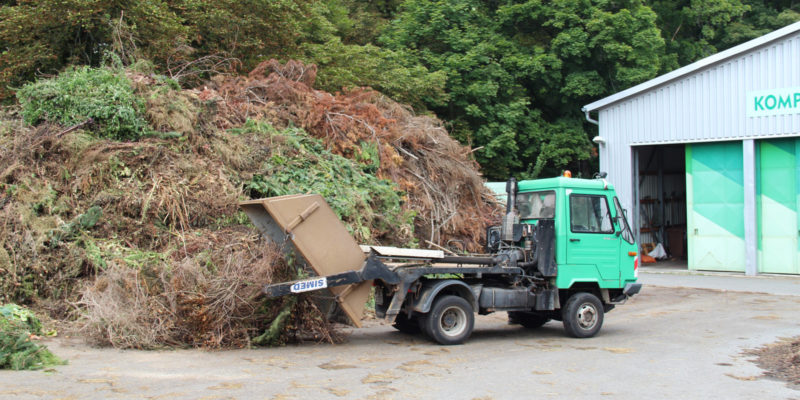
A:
77,94
17,349
371,208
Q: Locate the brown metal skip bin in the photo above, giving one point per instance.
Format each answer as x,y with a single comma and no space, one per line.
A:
314,230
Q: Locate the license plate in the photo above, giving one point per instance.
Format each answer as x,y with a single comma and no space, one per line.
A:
309,285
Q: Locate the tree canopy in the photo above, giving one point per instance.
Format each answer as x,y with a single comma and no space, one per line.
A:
518,72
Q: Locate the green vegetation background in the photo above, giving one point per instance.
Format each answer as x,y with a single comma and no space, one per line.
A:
508,76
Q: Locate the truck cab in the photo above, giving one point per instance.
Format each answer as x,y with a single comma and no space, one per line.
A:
594,243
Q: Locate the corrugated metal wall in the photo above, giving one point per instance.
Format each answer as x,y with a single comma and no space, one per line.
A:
708,105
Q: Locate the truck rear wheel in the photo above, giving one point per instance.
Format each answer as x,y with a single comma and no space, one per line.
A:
450,320
527,319
583,315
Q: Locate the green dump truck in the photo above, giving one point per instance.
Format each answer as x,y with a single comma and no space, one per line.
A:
564,251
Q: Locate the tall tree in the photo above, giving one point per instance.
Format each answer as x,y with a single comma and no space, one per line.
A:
45,35
518,71
251,30
694,29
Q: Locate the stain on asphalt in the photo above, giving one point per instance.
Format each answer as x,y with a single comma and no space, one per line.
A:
541,372
380,378
384,394
414,366
618,350
173,395
742,378
767,317
335,366
17,392
226,386
437,352
338,391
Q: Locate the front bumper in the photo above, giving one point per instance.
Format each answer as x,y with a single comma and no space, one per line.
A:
629,290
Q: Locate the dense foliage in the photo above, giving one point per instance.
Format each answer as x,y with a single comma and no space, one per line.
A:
303,165
76,95
518,72
17,349
509,76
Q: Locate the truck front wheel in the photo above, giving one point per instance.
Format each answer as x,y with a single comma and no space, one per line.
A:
582,315
450,320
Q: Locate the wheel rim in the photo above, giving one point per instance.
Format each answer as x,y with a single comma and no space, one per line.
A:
587,316
453,321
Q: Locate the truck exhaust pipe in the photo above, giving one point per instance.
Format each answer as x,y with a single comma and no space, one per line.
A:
511,217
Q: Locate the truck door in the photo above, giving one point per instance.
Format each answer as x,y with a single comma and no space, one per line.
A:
591,237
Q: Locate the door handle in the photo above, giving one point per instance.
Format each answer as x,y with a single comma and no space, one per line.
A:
574,240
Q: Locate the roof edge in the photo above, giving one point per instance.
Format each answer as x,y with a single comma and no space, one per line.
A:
697,65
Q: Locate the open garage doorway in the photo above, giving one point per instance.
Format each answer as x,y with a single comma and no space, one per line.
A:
660,203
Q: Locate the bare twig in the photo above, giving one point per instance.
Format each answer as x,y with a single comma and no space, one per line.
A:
75,127
214,64
406,152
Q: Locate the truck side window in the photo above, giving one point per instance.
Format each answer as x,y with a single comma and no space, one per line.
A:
589,214
537,205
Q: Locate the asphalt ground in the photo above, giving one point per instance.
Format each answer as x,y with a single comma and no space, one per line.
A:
784,285
682,337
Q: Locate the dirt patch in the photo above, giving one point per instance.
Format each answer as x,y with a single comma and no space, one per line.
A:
781,360
336,365
618,350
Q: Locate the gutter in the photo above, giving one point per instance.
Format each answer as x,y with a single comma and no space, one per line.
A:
589,118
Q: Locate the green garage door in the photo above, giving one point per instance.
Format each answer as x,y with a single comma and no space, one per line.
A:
715,206
777,201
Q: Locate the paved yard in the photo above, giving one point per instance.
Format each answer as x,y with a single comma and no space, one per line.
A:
668,342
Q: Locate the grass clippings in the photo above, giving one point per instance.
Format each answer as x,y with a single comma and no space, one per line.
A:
780,360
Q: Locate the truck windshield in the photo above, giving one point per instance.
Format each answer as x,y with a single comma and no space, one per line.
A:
627,234
536,205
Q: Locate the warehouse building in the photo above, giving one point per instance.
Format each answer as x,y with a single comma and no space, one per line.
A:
707,157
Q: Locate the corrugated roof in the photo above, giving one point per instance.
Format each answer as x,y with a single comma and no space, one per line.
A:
680,72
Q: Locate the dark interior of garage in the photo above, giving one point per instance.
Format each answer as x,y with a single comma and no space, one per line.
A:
661,200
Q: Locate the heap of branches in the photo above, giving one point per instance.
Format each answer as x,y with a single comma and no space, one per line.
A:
442,180
142,238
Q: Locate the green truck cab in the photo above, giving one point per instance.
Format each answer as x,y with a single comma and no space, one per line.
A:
594,242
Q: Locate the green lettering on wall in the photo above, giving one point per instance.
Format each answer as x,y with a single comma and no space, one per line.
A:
774,102
777,101
758,105
785,102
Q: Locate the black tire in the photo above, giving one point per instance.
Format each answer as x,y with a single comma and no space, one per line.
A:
450,320
582,315
527,319
406,325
